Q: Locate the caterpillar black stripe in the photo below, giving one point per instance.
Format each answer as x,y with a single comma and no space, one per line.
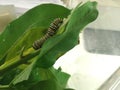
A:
54,26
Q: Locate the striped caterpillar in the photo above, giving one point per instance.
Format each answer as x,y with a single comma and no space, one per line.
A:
54,26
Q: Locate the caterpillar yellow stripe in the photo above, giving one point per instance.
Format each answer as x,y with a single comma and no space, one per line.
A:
54,26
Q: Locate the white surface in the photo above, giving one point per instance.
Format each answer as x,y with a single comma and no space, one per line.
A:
108,19
23,5
89,71
28,3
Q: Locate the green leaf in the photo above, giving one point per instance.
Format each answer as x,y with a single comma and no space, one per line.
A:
25,41
24,75
50,84
35,21
47,85
2,60
39,75
9,76
61,77
60,44
69,89
4,87
44,18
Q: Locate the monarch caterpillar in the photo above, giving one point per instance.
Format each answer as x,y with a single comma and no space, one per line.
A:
51,31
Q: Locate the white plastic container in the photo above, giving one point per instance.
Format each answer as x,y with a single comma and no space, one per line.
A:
7,14
102,36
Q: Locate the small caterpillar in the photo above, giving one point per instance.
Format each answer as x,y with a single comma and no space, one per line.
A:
54,26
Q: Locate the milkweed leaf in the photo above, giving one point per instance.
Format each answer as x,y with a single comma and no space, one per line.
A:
40,74
2,60
35,21
60,44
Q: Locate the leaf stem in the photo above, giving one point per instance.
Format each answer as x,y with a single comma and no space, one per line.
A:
17,61
4,87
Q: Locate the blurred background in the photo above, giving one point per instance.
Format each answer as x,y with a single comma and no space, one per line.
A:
94,63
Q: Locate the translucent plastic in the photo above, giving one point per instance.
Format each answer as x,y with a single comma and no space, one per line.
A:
7,14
